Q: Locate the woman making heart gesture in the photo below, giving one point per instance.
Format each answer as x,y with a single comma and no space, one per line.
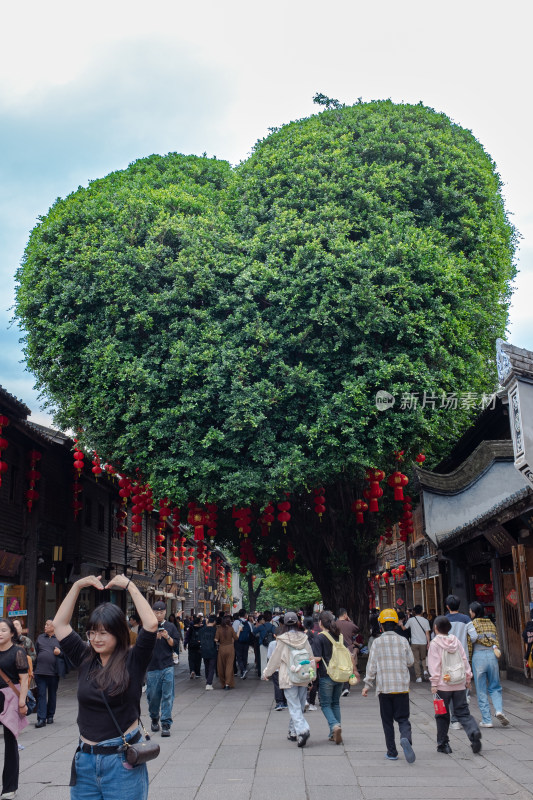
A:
109,670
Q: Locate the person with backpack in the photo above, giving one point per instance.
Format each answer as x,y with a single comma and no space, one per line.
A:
334,668
450,677
264,631
485,654
293,659
388,665
463,628
243,629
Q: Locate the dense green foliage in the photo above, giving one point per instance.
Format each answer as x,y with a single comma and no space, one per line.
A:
226,331
288,590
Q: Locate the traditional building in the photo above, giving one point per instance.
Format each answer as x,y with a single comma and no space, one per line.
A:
477,507
58,524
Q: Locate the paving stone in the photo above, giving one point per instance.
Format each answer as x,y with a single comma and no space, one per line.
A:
233,746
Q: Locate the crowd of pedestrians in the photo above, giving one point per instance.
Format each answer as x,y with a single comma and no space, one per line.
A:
311,660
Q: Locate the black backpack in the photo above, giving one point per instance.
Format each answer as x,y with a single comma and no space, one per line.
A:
268,637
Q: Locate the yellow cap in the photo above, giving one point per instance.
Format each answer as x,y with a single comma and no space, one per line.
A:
388,615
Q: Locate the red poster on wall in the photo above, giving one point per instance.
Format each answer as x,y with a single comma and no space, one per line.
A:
512,597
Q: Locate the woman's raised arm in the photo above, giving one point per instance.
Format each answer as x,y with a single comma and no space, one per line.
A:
142,606
65,611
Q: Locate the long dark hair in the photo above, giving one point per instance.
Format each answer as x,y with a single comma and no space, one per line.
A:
227,621
114,677
328,622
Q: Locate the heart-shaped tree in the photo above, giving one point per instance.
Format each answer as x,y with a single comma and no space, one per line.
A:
226,331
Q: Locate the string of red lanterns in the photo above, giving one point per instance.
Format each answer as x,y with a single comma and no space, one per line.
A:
284,516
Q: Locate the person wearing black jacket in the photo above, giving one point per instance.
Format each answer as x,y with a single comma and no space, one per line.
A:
208,650
192,644
160,672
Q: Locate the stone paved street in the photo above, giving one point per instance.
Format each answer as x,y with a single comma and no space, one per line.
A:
232,746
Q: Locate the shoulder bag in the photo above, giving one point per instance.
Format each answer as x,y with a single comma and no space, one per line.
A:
31,702
140,752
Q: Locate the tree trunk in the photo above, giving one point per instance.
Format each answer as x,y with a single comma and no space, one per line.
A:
253,594
337,552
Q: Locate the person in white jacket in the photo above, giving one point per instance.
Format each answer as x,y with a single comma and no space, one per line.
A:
295,694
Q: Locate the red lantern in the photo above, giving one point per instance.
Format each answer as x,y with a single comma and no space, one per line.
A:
420,458
385,576
164,510
396,481
374,492
96,468
358,507
319,501
291,555
4,422
284,515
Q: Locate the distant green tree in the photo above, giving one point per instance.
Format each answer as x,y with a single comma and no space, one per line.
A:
226,331
289,590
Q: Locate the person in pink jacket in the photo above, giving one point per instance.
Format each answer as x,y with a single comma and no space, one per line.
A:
450,676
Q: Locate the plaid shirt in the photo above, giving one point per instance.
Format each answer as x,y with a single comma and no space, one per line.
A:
388,663
487,635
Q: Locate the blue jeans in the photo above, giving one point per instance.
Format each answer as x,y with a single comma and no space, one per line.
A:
487,679
109,777
296,698
330,696
46,685
160,694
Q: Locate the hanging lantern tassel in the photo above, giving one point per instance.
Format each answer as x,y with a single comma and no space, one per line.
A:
53,571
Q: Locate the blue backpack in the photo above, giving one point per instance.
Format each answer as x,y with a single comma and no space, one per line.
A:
246,633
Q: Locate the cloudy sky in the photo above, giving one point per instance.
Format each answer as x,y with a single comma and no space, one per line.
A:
88,88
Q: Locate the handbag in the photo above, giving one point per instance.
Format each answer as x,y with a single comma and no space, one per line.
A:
438,704
31,702
140,752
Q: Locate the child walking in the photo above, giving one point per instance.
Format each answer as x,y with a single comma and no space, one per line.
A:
450,676
388,664
292,658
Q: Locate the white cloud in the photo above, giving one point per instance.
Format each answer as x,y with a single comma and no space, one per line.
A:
87,88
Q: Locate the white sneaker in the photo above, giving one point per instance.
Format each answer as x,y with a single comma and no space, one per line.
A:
306,707
312,707
486,725
208,687
419,680
8,796
502,718
345,693
456,726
